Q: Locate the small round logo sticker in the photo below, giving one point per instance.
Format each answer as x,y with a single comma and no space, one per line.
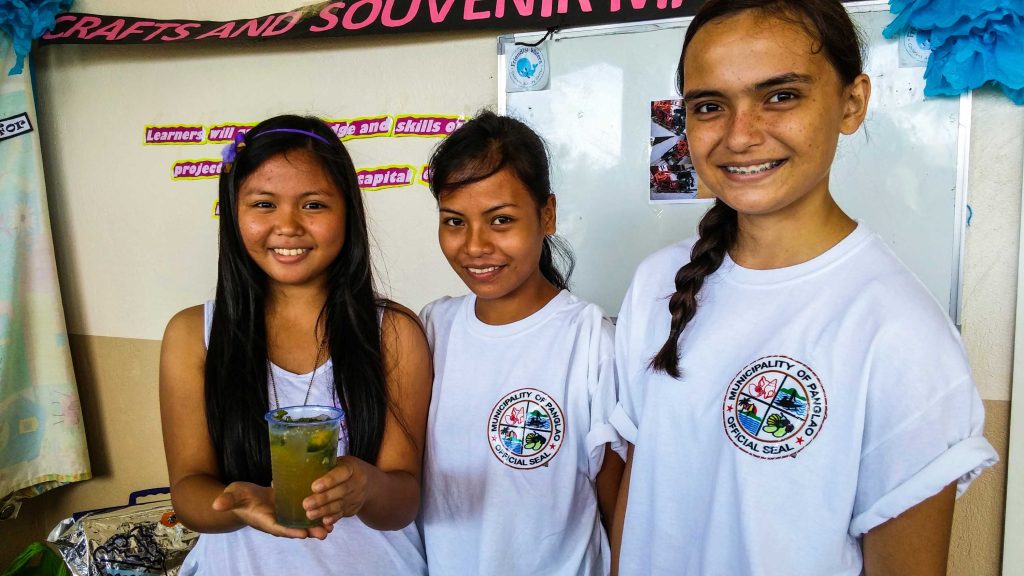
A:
528,68
774,407
525,429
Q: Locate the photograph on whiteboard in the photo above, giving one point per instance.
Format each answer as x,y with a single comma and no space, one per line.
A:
673,178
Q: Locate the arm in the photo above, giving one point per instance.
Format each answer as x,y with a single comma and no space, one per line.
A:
915,543
386,496
619,520
191,459
607,485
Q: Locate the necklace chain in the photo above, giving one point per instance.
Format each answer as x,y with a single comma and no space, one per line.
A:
316,364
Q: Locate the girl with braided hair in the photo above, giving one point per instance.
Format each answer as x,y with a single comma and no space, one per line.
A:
794,398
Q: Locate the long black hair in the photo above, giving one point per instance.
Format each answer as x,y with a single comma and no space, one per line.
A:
237,361
829,26
483,147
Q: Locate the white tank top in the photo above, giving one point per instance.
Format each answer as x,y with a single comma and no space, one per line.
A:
352,548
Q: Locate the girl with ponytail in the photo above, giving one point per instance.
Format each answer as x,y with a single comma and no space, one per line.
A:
794,399
520,470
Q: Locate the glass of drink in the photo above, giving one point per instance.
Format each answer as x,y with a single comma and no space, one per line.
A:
303,447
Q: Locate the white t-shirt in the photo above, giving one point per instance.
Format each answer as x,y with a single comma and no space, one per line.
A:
352,548
515,439
817,401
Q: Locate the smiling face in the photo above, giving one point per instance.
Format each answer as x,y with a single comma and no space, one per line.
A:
492,234
291,217
764,112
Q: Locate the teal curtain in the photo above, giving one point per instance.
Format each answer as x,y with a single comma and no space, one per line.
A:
42,439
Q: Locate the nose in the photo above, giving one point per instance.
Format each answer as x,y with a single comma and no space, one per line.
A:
287,222
478,241
745,129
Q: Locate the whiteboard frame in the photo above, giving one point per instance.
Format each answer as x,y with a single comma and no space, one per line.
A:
960,209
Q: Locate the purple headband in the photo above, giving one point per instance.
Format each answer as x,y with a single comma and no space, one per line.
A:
231,149
313,135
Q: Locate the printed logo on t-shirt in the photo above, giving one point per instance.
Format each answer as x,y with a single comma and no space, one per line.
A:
525,429
774,407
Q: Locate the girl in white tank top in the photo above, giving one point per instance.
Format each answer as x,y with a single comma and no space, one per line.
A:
295,321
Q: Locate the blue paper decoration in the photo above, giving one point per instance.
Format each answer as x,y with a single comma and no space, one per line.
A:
26,20
973,43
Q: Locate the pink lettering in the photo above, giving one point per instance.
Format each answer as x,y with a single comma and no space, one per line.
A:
83,26
53,34
253,28
387,19
160,29
436,15
639,4
110,31
545,8
182,30
348,20
328,15
469,14
524,7
222,31
276,30
134,28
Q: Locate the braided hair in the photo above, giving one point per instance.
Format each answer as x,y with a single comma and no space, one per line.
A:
836,37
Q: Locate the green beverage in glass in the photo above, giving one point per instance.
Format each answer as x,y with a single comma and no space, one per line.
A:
303,447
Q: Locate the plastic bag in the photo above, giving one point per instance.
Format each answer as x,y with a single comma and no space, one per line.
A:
50,564
134,540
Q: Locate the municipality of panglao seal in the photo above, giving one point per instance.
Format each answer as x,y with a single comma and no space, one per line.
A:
526,428
774,407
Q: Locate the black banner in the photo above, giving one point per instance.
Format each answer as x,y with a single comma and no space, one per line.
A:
364,17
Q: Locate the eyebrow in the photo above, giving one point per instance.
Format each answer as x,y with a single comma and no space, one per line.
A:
271,193
774,81
488,211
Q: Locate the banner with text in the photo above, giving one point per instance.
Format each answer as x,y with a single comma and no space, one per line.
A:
364,17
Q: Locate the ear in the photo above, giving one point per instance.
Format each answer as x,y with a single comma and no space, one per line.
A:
548,216
855,104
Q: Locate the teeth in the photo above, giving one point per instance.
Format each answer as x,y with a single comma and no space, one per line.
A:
482,270
752,169
290,251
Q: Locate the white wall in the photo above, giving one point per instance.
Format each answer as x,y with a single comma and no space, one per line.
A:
134,246
990,258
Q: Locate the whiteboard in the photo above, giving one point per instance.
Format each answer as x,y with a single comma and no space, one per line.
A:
903,173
